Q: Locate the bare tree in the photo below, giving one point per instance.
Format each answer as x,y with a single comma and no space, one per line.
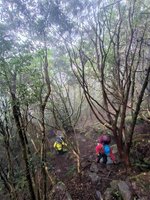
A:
116,52
65,105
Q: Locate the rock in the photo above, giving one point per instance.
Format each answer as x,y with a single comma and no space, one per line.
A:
141,185
58,171
94,168
114,184
60,190
90,158
114,149
124,190
121,187
98,195
83,140
94,177
84,164
108,194
109,161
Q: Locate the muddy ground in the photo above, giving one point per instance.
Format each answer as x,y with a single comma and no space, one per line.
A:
80,187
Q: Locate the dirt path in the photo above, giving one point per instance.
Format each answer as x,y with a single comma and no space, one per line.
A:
65,170
82,188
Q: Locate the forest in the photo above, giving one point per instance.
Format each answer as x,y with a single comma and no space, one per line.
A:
75,71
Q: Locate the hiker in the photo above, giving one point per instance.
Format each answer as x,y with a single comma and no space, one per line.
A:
60,145
103,150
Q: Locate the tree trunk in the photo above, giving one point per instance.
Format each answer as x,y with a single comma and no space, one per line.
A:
43,153
17,117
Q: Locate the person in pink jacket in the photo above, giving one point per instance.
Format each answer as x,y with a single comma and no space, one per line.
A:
103,150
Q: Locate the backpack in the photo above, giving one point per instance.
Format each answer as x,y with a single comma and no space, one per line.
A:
106,149
59,140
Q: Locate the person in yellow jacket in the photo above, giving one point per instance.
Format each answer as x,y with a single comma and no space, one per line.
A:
60,145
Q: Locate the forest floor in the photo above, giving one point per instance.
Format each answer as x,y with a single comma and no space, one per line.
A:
81,187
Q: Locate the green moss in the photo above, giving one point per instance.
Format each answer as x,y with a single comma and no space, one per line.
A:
116,195
142,181
50,154
71,170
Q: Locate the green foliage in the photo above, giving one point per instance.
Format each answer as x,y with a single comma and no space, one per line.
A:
29,28
142,183
71,170
21,182
51,155
34,162
116,195
129,119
